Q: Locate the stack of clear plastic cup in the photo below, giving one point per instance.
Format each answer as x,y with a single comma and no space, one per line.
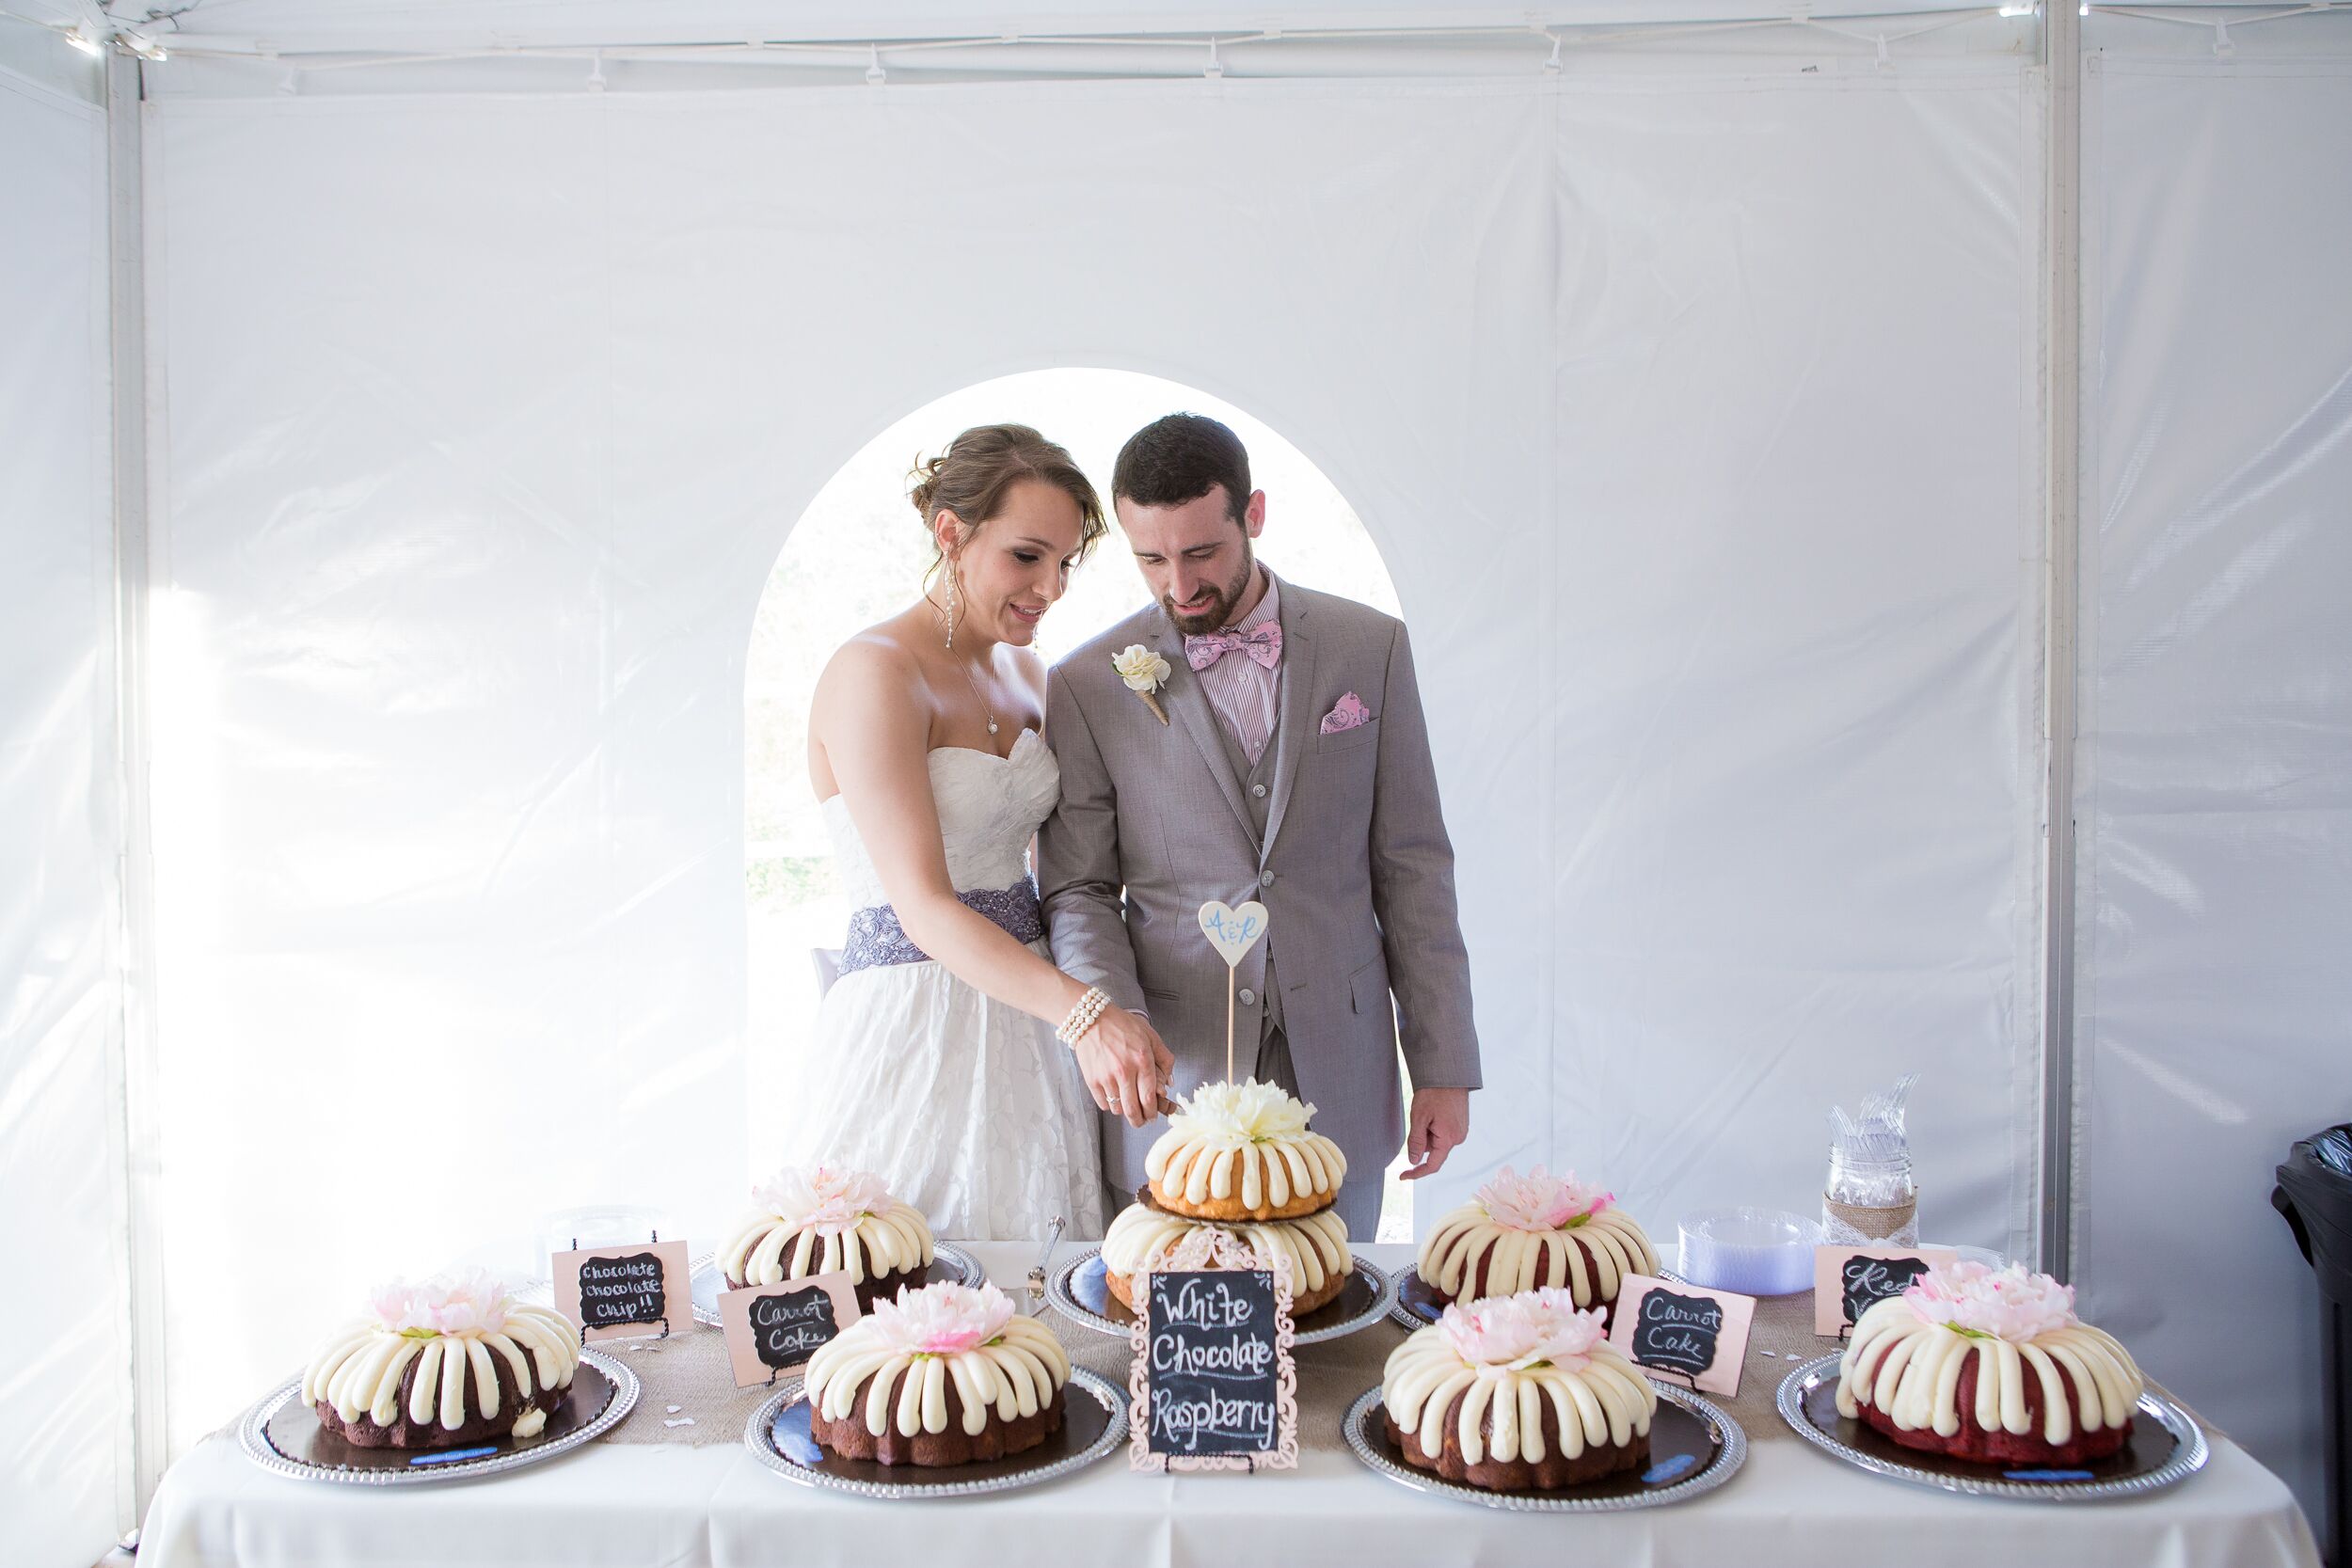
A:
1757,1252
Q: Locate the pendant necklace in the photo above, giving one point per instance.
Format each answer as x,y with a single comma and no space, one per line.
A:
985,711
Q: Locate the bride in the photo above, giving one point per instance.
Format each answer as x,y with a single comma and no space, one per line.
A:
939,1060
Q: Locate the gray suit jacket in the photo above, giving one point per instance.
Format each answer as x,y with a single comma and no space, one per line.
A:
1356,873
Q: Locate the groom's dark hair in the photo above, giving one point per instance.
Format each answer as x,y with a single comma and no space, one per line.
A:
1181,458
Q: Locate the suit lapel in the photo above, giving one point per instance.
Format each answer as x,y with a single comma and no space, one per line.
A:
1188,706
1293,710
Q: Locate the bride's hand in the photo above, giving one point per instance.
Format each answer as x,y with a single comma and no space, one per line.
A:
1126,1066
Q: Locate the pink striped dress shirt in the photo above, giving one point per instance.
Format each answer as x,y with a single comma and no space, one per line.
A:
1243,691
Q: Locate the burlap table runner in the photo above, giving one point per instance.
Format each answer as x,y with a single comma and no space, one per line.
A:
689,1372
688,1381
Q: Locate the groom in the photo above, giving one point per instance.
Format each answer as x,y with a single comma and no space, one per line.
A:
1293,769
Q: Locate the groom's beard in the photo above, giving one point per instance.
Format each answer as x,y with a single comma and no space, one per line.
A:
1222,613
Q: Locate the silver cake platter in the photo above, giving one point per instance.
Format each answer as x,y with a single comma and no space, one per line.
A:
2165,1448
1695,1448
1095,1423
283,1436
1418,1307
950,1264
1080,1292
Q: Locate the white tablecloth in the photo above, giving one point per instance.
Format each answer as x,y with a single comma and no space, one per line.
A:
662,1505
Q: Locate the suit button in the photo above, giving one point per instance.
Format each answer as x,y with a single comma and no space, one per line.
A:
1248,997
1266,879
1259,790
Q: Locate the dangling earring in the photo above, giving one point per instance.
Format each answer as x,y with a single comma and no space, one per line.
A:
951,607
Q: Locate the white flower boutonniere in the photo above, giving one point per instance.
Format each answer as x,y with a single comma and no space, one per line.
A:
1144,673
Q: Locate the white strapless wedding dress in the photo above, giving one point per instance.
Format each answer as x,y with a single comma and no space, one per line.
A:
968,1109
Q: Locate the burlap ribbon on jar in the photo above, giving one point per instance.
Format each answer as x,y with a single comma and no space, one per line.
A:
1871,1224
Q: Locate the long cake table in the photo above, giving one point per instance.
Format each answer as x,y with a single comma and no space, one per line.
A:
653,1499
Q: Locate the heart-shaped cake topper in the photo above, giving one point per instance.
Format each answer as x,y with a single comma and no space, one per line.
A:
1232,932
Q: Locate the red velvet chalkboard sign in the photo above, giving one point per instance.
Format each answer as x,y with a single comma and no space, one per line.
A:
1848,1281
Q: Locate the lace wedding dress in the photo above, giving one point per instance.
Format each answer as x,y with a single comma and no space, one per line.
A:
968,1109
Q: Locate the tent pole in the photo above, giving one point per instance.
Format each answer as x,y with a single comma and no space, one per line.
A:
141,1129
2061,388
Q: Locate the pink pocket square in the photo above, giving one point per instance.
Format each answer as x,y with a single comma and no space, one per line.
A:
1349,714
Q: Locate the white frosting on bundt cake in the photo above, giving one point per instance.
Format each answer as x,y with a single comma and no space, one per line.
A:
2020,1326
1533,1231
1244,1144
825,1221
941,1334
1316,1245
1506,1358
451,1329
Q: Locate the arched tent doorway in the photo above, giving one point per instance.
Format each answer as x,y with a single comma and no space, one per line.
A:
858,553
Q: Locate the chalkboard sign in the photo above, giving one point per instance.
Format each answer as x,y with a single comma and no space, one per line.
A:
1866,1281
1212,1380
1676,1333
786,1330
620,1291
1684,1333
769,1328
1848,1281
615,1291
1215,1386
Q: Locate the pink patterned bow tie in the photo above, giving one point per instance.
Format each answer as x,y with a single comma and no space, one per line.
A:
1262,643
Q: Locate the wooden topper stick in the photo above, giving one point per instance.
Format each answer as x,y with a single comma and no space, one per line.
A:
1233,932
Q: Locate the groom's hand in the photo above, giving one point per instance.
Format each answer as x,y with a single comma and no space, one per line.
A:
1434,1128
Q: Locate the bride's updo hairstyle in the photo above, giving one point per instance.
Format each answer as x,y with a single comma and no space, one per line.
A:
978,469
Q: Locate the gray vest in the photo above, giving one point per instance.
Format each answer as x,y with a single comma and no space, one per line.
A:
1257,788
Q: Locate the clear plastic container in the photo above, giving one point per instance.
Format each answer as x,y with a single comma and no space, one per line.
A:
1757,1252
1869,1198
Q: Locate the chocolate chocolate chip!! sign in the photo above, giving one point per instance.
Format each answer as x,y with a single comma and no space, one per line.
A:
621,1290
614,1292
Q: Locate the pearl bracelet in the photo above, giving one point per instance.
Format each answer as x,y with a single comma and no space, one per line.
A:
1082,1016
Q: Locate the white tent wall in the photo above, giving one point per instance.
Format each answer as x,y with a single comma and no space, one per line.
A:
1794,641
2214,800
65,1471
483,420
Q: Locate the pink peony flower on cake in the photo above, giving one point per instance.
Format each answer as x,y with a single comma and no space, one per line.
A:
469,1301
1509,1333
1540,1200
943,1319
2007,1304
831,1200
395,1306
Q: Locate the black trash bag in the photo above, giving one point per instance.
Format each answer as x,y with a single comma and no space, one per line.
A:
2314,1193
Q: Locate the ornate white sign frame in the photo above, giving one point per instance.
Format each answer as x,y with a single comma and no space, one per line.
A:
1213,1247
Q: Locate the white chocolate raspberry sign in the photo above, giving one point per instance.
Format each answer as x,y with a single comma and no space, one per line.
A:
1685,1334
1213,1384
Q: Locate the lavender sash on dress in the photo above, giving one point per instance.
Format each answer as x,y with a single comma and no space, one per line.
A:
876,937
